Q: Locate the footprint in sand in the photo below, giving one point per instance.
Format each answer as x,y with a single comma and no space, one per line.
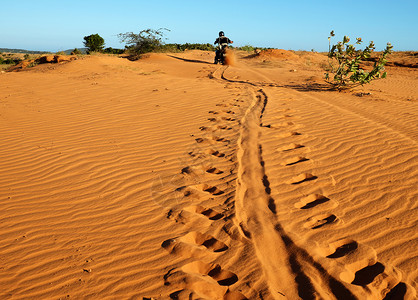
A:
193,243
311,201
321,220
214,170
189,170
401,291
351,255
361,268
223,127
207,212
289,134
223,277
382,281
302,178
195,214
212,119
216,153
228,119
212,189
213,112
199,286
196,154
220,139
211,140
200,170
197,210
295,160
203,140
206,291
218,127
366,275
342,248
195,190
290,147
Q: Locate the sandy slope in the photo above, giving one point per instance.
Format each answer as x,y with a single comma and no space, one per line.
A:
171,177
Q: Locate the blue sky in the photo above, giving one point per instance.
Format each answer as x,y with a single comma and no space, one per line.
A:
291,25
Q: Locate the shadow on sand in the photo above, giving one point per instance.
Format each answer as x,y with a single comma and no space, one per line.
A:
310,87
190,60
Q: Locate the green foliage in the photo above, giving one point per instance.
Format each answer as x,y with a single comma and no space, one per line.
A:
148,40
247,48
94,43
110,50
345,60
76,52
8,61
250,48
32,64
188,46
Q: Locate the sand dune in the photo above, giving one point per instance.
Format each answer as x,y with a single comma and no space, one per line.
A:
173,178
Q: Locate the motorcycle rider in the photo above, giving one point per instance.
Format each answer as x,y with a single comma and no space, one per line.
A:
223,41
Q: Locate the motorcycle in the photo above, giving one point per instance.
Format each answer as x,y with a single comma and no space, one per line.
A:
221,53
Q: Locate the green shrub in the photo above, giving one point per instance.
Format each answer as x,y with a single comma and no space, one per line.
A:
76,52
9,61
148,40
345,60
188,46
110,50
94,43
247,48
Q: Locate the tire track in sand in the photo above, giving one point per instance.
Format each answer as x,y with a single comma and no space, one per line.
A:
287,267
291,271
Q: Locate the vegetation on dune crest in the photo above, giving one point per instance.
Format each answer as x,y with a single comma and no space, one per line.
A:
151,40
111,50
148,40
188,46
94,43
345,64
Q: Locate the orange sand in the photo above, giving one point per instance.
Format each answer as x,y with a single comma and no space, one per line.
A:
171,177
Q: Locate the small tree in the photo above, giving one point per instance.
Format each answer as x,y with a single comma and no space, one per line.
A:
76,52
345,60
148,40
94,43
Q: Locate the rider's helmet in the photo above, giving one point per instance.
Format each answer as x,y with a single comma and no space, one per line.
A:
221,33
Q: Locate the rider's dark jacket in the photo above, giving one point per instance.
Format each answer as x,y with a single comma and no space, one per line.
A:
223,40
